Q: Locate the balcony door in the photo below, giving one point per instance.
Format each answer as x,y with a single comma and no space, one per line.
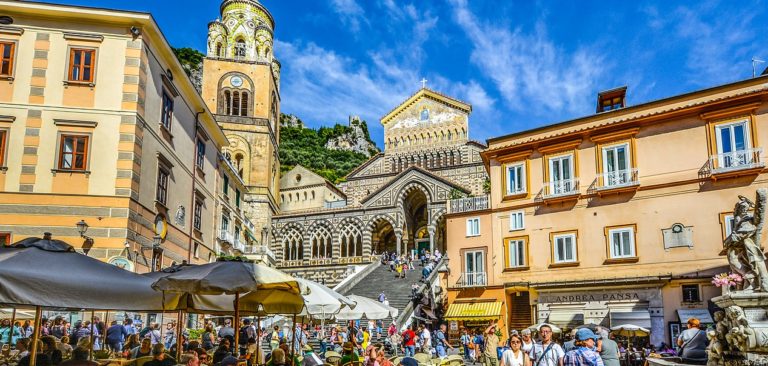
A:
474,268
732,145
561,174
616,165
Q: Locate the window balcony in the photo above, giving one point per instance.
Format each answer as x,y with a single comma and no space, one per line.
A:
617,181
472,279
469,204
736,163
226,237
239,245
560,190
259,250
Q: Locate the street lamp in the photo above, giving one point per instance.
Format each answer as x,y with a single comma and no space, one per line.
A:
82,227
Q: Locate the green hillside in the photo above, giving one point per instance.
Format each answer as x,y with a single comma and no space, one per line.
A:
306,147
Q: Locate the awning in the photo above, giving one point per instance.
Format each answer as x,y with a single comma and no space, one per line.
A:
566,320
701,314
640,318
474,311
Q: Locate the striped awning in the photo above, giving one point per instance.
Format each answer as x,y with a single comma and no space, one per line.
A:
474,311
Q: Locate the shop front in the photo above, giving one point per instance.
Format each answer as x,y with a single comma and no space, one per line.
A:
473,315
608,307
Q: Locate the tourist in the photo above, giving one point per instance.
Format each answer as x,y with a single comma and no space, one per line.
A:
222,351
369,358
571,343
116,334
408,361
349,355
79,358
491,345
515,355
425,339
227,331
382,296
145,349
478,342
609,350
274,340
207,337
666,350
57,329
546,352
381,358
55,356
527,344
693,341
189,359
22,346
366,338
584,353
82,331
154,334
128,325
64,347
409,342
40,360
379,325
310,358
277,358
205,360
442,342
169,339
466,340
247,331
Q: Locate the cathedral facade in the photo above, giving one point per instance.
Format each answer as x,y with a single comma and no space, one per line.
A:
394,202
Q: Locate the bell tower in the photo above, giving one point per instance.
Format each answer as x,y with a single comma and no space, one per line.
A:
241,86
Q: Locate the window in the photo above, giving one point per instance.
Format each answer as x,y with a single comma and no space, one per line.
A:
609,104
424,116
517,220
226,184
516,253
616,167
197,221
7,50
237,233
515,177
474,268
218,50
240,48
5,239
73,152
200,160
196,250
728,223
473,227
691,293
81,62
167,116
3,144
237,198
224,223
162,185
732,144
236,102
564,248
622,242
561,175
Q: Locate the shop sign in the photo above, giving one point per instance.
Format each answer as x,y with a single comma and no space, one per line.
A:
454,325
565,297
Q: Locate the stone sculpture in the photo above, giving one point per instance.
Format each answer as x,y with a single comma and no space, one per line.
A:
742,246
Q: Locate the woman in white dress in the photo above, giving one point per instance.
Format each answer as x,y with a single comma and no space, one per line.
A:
515,355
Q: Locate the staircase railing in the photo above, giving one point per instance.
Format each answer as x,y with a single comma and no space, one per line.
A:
352,280
407,312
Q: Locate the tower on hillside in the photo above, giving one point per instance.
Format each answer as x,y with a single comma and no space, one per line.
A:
241,85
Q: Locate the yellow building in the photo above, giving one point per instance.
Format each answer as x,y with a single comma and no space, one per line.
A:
612,218
99,125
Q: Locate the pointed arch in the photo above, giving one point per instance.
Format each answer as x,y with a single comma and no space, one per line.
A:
293,244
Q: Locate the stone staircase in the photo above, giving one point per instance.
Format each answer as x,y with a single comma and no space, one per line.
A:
397,290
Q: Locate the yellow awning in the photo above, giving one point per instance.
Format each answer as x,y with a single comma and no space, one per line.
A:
474,311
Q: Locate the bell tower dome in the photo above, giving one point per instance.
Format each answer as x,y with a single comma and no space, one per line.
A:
244,32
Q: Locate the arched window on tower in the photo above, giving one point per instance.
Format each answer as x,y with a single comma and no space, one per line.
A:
239,164
240,49
218,49
236,102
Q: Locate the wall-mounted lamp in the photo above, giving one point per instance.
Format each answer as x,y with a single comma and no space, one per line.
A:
82,228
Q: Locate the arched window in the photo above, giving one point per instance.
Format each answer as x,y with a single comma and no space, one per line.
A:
424,114
351,241
236,102
313,194
321,243
240,48
239,164
305,196
218,49
293,246
228,102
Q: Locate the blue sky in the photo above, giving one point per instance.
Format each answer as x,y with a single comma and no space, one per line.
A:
521,64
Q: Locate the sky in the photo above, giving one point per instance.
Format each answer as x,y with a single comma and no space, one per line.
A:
520,64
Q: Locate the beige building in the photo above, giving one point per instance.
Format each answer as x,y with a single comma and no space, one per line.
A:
612,218
302,189
100,125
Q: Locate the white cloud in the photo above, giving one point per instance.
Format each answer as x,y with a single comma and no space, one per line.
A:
351,13
531,73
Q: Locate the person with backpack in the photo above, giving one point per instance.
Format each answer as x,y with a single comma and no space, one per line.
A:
409,341
546,352
441,342
246,332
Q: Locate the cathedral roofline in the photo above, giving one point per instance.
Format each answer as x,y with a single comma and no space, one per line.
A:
255,3
428,93
363,165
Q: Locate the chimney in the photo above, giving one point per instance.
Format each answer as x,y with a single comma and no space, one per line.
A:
611,99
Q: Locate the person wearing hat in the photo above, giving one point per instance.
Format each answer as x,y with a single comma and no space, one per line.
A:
159,358
584,353
229,361
408,361
349,355
310,358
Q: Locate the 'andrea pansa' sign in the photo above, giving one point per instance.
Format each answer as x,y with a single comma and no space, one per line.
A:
593,296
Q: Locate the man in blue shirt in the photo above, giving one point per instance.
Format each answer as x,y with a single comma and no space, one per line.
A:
116,334
585,353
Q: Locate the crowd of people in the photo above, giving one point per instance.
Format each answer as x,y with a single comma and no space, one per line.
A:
402,263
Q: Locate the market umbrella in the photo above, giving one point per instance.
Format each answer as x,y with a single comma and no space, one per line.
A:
256,283
536,327
322,302
630,330
367,307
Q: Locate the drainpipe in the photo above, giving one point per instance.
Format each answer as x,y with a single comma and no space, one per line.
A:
194,187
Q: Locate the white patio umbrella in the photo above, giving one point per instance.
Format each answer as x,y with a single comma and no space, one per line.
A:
367,307
321,302
537,327
630,330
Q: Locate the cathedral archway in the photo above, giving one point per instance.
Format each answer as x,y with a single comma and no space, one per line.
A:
383,238
414,203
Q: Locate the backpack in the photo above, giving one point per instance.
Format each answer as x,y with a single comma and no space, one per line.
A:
243,340
406,337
